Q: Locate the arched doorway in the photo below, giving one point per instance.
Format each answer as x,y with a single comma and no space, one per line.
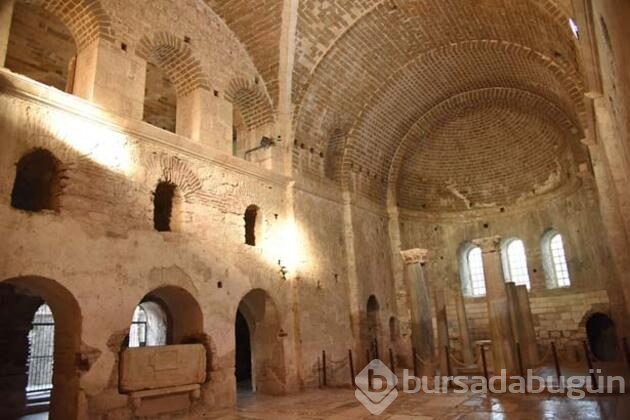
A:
243,354
167,315
372,332
602,338
40,332
259,346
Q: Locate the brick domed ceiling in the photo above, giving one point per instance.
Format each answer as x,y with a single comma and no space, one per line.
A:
363,85
487,149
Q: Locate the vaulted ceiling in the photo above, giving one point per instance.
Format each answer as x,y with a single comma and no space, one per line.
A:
406,97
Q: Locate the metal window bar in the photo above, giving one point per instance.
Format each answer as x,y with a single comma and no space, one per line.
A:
138,333
477,277
560,261
41,354
138,329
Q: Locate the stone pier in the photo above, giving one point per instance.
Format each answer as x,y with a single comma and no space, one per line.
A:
442,329
6,15
498,306
464,331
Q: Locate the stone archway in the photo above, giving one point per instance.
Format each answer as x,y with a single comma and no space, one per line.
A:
602,337
372,327
20,298
262,320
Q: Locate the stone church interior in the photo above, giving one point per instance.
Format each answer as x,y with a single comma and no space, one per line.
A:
230,209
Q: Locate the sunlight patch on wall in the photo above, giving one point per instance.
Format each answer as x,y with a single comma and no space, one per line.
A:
94,141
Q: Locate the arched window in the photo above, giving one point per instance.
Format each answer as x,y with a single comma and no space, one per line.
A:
37,185
41,354
41,47
555,261
148,326
515,263
476,276
252,225
163,203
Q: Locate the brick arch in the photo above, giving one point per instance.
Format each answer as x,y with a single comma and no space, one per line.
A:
86,20
549,7
169,168
355,59
598,308
252,101
553,81
176,59
67,314
495,96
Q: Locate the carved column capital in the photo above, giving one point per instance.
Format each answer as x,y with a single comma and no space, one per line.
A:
489,244
415,256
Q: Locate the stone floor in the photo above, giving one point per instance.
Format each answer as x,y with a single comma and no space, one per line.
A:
342,404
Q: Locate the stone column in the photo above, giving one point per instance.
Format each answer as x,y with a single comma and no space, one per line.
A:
510,290
420,305
522,323
6,15
442,329
498,306
464,331
529,345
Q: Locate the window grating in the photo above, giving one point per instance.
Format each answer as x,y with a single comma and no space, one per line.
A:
559,259
40,359
477,277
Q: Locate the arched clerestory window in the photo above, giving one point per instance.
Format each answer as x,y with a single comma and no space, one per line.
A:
514,261
471,271
37,182
554,260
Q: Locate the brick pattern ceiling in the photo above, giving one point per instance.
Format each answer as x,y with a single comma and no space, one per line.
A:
492,147
375,69
257,24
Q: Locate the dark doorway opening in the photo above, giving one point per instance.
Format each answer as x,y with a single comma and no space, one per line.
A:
602,337
373,308
243,362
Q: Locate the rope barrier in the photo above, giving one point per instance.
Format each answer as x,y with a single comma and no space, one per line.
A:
464,364
542,362
337,362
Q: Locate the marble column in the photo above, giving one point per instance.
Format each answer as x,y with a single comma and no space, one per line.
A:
442,329
6,15
420,306
529,345
464,331
498,307
510,289
522,323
